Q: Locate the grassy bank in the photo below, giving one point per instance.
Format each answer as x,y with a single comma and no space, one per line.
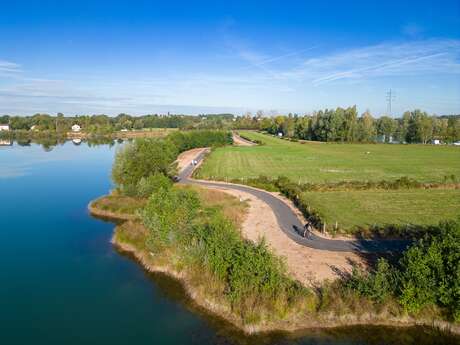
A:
331,305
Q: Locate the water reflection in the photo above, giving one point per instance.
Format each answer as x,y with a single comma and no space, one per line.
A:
50,143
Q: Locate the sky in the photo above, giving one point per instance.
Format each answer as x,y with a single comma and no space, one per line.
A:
144,57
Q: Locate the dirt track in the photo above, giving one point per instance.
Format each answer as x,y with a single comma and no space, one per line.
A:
239,141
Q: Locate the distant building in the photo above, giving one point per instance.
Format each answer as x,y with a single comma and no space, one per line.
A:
34,128
124,130
4,128
76,128
6,142
436,142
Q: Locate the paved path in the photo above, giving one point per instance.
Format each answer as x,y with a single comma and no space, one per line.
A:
292,226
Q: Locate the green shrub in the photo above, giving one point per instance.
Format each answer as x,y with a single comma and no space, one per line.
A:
253,276
169,214
147,185
427,275
142,158
430,271
199,138
377,285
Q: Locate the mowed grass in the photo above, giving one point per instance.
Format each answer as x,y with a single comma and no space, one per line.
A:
365,209
331,162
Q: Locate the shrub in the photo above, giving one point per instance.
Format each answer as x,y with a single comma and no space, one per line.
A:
427,275
147,185
430,271
199,138
253,277
169,214
141,158
377,285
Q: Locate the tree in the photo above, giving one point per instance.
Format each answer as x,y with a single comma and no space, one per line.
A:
142,158
386,126
351,119
366,127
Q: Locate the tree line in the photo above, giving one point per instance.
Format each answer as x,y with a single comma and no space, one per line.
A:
334,125
344,125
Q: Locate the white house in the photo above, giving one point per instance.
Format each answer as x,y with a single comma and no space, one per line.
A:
76,128
4,128
436,142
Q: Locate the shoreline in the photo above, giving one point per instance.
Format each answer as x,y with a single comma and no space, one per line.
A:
293,323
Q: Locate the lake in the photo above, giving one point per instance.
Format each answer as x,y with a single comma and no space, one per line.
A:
62,282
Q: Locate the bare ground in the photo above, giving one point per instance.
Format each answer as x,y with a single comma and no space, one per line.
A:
238,141
307,265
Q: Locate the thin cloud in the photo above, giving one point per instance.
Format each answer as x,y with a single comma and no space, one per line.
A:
7,68
388,59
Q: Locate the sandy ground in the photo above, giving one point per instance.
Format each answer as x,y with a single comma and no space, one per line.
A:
237,140
309,266
185,158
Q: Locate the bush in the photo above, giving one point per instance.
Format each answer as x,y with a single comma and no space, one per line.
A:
169,214
253,276
430,271
142,158
427,275
147,185
184,141
377,285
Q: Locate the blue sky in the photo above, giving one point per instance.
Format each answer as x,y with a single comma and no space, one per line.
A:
143,57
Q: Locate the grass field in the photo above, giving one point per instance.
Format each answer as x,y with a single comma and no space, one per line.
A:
352,209
330,162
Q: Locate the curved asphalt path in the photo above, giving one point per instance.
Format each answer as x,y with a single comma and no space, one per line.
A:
290,223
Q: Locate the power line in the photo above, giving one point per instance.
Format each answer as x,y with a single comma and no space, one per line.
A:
390,98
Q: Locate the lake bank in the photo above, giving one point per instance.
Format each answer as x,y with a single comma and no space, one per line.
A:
129,236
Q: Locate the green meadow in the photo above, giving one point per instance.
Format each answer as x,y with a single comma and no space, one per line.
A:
351,210
332,162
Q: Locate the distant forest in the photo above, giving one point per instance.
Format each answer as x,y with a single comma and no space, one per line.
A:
333,125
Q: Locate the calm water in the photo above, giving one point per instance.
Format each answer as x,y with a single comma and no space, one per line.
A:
61,281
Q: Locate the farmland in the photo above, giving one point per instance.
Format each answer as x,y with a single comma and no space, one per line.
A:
351,209
330,162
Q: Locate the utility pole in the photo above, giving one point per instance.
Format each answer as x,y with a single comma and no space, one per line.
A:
390,98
